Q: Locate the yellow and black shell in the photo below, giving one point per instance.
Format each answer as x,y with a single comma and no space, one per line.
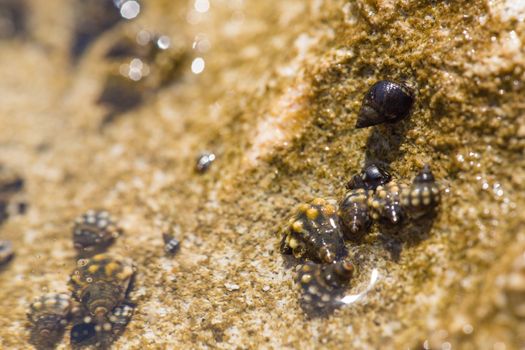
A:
313,233
423,196
385,203
354,213
100,283
49,314
322,286
94,231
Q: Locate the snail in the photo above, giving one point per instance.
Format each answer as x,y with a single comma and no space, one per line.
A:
385,102
385,204
94,231
6,252
101,283
370,178
423,196
313,233
354,213
204,162
49,315
171,244
322,286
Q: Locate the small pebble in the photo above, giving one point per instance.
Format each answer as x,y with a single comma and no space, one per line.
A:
231,287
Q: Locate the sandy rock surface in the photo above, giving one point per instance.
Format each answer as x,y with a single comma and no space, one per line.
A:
276,100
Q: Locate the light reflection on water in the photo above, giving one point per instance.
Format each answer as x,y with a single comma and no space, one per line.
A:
198,65
129,9
163,42
352,298
202,6
201,43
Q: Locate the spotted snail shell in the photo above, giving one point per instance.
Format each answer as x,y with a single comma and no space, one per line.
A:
354,213
94,231
322,286
313,233
385,205
423,196
49,314
101,283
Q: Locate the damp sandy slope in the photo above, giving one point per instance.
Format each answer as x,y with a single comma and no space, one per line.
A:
277,102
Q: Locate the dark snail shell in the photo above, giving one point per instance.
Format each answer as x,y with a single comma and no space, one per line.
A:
10,181
423,196
171,244
49,314
322,286
354,213
204,162
6,252
120,317
83,333
101,283
385,102
385,204
94,231
370,178
313,233
12,200
115,322
87,330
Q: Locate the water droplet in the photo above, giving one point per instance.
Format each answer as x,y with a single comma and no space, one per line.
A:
130,9
163,42
198,65
202,6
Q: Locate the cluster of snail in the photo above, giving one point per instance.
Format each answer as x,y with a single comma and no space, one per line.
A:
316,231
97,307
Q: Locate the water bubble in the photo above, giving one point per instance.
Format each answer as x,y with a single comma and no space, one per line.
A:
163,42
468,329
130,9
202,6
198,65
143,37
